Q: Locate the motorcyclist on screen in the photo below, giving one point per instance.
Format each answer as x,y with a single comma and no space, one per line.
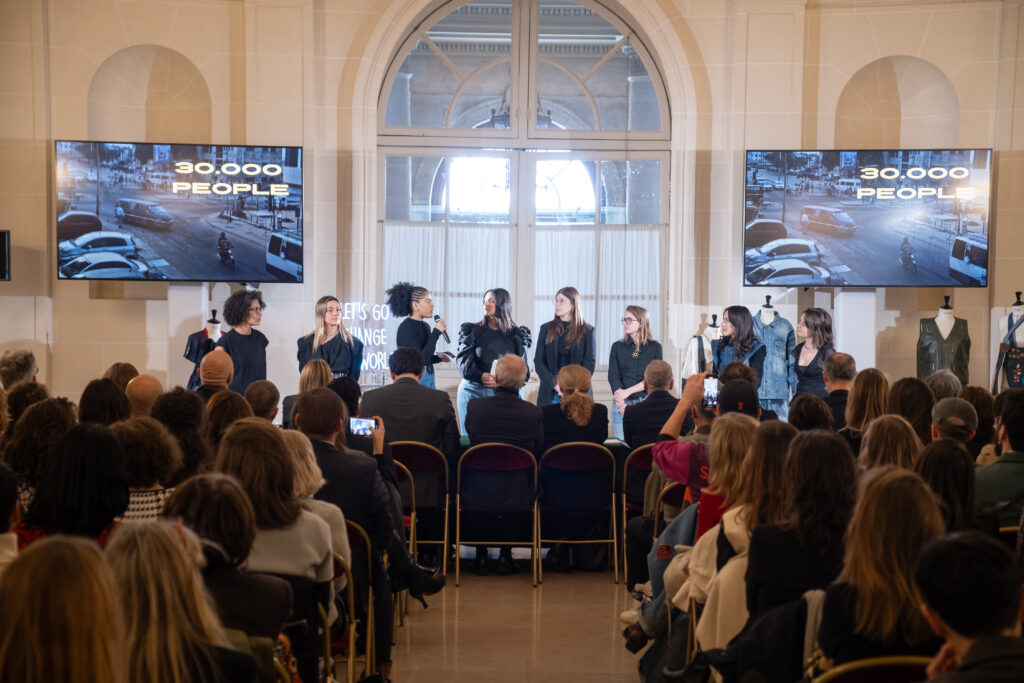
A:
906,250
223,245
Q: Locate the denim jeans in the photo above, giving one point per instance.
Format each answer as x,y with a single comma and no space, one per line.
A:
653,616
617,416
469,390
427,380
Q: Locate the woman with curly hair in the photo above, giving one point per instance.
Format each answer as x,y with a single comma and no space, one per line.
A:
35,434
152,458
247,347
417,303
331,342
181,411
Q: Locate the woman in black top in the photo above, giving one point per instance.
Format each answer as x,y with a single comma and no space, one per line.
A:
627,362
738,342
331,341
406,299
482,343
815,328
576,417
566,340
247,347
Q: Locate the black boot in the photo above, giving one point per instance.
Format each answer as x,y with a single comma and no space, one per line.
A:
480,566
422,582
506,565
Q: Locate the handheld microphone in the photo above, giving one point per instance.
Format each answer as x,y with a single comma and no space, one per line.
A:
447,339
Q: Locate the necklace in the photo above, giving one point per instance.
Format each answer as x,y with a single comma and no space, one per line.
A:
636,352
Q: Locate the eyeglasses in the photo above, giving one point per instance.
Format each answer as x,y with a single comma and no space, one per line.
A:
256,309
628,321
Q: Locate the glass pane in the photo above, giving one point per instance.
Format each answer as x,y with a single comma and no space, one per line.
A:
484,101
565,191
573,35
414,188
563,257
562,103
624,93
481,189
422,91
630,274
479,258
630,192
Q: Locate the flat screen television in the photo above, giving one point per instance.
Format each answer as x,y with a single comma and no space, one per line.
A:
5,255
867,218
148,211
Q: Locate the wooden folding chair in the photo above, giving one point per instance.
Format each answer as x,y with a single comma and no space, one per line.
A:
343,648
896,669
432,488
634,478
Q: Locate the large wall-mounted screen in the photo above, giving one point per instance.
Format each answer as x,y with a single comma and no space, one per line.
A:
145,211
867,218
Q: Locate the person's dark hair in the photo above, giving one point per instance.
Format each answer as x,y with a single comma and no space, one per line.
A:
970,580
912,399
1012,420
576,327
19,398
84,485
502,312
35,434
151,454
744,338
103,402
262,396
318,412
406,361
349,392
17,365
737,370
217,508
763,484
822,477
236,306
181,411
985,406
948,469
8,497
254,451
807,412
401,296
121,373
840,367
222,410
819,324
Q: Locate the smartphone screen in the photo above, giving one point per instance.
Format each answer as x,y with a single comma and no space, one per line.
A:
361,426
710,392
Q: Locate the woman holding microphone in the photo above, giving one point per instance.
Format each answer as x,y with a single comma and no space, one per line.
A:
407,299
565,340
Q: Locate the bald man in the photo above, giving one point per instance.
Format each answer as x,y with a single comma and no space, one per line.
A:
505,417
142,392
215,373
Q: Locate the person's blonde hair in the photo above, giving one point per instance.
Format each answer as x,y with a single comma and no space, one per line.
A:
254,451
869,396
574,381
172,628
889,440
763,485
61,620
895,515
320,328
308,477
315,375
731,437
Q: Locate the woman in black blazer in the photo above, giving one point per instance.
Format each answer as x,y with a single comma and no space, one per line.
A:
566,340
577,417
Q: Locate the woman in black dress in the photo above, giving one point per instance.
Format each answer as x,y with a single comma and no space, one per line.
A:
565,340
627,361
331,341
406,299
815,328
247,347
576,417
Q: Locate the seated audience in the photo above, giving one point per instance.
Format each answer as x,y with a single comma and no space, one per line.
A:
889,440
576,417
504,417
224,409
103,402
947,467
990,452
954,418
262,396
315,374
971,596
61,618
985,408
872,609
173,631
17,365
142,391
8,516
866,402
737,370
19,398
82,489
1000,486
913,400
152,458
944,384
181,411
838,373
807,412
35,434
120,374
216,508
5,417
375,444
216,372
642,422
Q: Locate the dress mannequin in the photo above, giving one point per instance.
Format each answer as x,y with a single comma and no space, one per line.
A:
213,327
778,380
944,320
1010,363
199,344
943,343
698,343
767,311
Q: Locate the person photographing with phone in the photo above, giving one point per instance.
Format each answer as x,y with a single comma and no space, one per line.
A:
417,303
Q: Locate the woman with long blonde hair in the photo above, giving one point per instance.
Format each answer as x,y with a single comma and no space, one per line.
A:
61,620
889,440
330,341
577,417
314,375
565,340
627,361
174,635
869,395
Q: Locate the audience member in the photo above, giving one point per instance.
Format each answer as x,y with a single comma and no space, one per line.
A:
731,438
737,370
181,411
216,372
375,444
103,402
865,402
954,418
152,458
889,440
912,399
985,407
944,384
18,365
223,409
642,422
316,374
263,396
120,374
971,596
1000,486
61,618
576,417
838,373
5,417
82,489
8,516
807,412
947,467
142,391
173,631
990,452
35,434
216,508
19,398
504,417
872,609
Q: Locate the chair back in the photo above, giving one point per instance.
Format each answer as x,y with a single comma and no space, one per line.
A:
634,476
362,560
898,669
674,494
1008,535
430,469
303,627
406,488
497,477
576,477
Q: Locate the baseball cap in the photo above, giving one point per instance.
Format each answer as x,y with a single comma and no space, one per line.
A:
956,412
738,396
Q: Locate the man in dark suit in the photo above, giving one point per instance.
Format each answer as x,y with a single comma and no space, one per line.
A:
642,422
838,373
375,445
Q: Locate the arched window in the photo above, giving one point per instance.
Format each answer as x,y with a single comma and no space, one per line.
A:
525,145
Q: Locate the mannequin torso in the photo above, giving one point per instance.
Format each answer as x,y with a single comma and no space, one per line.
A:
945,321
767,314
1016,312
213,331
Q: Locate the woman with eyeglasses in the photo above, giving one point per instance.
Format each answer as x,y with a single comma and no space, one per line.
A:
627,362
407,299
565,340
247,347
331,342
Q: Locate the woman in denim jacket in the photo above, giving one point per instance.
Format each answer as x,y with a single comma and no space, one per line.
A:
738,341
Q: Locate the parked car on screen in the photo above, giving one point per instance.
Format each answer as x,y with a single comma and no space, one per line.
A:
104,240
792,273
108,266
761,231
968,261
827,219
145,213
754,194
780,184
72,224
284,257
808,251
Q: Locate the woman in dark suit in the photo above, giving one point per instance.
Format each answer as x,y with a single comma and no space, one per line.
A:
566,340
576,417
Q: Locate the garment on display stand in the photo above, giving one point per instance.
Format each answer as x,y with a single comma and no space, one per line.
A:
698,352
943,344
1010,362
778,380
198,345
